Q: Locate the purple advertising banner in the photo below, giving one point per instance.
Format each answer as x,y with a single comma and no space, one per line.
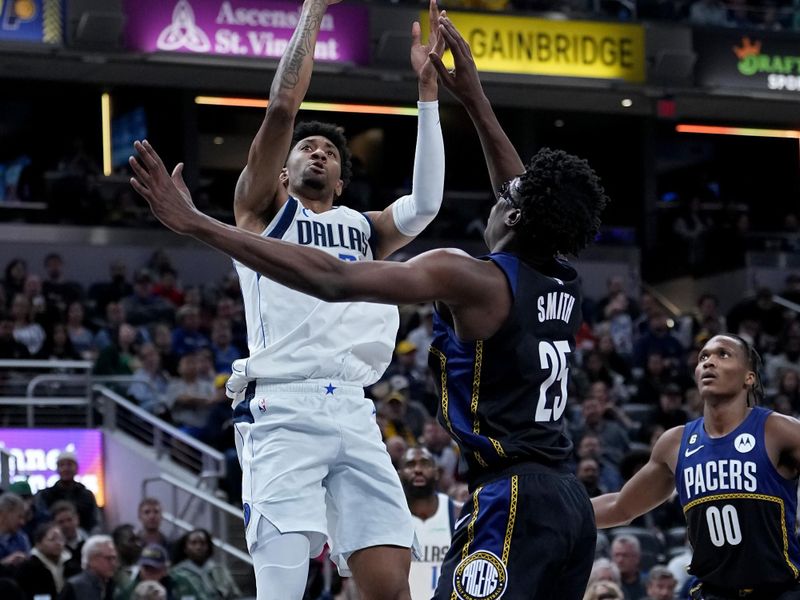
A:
257,28
36,451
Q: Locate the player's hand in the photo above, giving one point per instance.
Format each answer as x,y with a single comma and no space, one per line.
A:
462,81
14,559
168,196
420,53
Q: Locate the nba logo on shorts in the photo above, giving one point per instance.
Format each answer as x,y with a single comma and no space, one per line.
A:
480,576
262,405
246,510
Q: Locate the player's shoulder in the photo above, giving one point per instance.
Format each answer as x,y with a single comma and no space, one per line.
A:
787,428
668,446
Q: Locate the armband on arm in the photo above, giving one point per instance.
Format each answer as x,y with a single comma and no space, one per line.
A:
413,213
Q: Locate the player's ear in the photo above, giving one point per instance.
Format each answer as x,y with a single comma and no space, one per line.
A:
339,188
284,177
513,218
750,379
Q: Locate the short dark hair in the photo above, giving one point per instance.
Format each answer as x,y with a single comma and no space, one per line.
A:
63,506
561,199
332,132
41,531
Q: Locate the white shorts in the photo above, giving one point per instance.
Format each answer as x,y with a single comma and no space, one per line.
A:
313,461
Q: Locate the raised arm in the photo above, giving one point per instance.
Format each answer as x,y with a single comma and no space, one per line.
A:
259,194
651,486
408,216
447,275
464,83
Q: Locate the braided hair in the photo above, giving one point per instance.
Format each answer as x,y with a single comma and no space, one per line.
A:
755,393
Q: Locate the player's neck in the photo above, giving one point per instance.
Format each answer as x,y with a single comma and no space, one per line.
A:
317,201
720,417
424,508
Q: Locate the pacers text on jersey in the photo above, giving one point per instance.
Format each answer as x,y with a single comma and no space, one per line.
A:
720,475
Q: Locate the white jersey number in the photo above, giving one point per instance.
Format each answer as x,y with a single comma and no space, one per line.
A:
553,356
723,526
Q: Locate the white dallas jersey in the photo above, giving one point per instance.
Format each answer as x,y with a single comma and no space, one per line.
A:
295,337
434,537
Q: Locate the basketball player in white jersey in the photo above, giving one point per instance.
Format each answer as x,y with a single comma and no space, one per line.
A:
314,465
435,515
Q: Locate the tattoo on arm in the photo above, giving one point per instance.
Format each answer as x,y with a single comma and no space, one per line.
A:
300,46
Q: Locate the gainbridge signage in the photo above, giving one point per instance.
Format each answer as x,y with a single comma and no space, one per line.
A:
35,452
32,21
756,60
509,44
242,28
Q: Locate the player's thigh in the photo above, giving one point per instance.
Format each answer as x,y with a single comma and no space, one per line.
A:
518,539
381,572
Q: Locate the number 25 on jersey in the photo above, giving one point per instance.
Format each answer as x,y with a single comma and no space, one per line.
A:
553,357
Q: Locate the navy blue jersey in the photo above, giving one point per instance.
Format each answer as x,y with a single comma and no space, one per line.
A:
739,510
503,398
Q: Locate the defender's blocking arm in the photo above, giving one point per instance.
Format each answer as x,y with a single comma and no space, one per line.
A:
464,83
258,192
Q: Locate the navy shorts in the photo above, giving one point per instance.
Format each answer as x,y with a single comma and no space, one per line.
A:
526,536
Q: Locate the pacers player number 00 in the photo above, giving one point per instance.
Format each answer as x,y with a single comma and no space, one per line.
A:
723,525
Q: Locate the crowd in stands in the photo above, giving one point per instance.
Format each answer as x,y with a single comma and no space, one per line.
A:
632,379
53,545
765,14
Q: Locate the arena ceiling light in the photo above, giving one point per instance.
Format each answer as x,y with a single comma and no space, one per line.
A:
105,115
366,109
746,131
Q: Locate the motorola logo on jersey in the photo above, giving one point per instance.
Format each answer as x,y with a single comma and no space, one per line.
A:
480,576
328,235
744,442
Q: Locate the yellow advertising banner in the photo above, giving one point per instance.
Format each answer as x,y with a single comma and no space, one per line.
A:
510,44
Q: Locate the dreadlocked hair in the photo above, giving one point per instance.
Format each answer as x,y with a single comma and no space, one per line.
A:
755,393
561,199
331,132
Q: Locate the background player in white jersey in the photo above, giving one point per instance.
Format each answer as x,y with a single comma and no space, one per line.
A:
435,515
312,457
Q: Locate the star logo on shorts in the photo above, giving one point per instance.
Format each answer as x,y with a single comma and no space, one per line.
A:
329,389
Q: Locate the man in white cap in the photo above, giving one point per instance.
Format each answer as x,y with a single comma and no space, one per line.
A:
66,488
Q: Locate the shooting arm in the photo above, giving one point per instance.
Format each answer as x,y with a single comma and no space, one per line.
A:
258,188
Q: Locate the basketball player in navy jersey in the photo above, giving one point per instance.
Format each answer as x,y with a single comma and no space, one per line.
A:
736,472
504,334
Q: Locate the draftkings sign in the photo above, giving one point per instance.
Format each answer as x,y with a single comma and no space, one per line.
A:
509,44
755,61
242,28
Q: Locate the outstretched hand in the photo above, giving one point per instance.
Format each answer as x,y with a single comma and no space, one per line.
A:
168,196
420,53
462,81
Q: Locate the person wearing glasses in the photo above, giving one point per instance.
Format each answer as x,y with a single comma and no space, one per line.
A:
99,562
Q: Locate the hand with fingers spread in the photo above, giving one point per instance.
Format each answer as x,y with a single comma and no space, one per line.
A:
463,81
168,196
420,54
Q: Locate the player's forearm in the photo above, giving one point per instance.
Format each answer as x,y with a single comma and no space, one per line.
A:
307,270
607,511
293,76
414,212
501,157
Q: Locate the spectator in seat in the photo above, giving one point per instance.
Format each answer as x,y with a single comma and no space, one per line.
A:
129,549
614,438
44,572
58,292
113,290
222,346
57,345
670,412
438,442
150,519
604,590
118,358
660,584
82,339
151,381
66,488
626,552
99,561
66,517
27,332
167,286
154,566
187,337
14,281
14,544
189,398
34,514
194,563
143,306
10,348
149,590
